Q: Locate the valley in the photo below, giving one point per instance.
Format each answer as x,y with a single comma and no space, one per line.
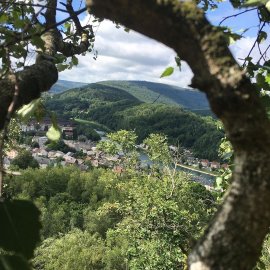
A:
140,106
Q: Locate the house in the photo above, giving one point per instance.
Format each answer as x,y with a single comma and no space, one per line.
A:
11,154
112,158
80,161
190,160
28,127
70,160
51,154
6,162
215,165
59,154
43,162
118,169
90,153
40,140
69,154
42,153
225,166
83,167
205,163
94,163
69,133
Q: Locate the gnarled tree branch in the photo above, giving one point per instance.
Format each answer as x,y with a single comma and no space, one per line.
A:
32,82
234,238
74,17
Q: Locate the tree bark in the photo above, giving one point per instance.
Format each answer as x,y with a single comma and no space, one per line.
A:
40,77
234,238
32,82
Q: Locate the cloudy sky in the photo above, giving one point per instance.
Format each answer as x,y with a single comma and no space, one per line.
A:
132,56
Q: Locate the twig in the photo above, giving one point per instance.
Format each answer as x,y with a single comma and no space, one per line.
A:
253,46
156,99
74,17
235,15
264,53
12,173
33,5
27,37
259,48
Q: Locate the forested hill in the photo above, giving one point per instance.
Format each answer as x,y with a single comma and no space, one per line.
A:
147,92
116,109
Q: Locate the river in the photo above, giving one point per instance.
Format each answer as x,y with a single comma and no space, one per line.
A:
201,177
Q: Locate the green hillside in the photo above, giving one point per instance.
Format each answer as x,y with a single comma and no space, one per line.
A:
117,109
150,92
147,92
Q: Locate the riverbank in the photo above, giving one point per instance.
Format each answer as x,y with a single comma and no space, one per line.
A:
196,170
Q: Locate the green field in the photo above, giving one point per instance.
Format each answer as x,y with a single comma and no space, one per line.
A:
92,124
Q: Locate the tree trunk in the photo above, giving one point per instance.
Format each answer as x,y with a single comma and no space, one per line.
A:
31,83
234,238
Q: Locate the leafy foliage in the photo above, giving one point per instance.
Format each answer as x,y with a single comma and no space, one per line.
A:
137,219
19,229
59,146
25,160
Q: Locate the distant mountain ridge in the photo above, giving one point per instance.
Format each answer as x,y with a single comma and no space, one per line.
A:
63,85
147,92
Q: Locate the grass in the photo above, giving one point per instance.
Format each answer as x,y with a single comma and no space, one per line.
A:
92,124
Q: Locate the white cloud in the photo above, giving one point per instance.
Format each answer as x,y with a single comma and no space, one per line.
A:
243,46
132,56
127,56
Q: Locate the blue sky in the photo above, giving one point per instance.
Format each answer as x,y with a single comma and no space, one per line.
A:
132,56
246,20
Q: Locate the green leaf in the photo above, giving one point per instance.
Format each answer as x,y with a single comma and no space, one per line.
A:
62,67
3,18
28,110
267,78
178,61
262,36
19,227
67,25
267,5
254,3
75,60
54,133
38,42
219,181
167,72
13,262
261,81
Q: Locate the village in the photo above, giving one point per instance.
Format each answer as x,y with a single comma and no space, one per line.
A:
85,153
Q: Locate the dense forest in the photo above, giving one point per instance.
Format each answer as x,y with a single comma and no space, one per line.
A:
101,219
117,109
115,218
147,92
137,219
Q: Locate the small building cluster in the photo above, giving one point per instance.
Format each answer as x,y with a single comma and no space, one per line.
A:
86,154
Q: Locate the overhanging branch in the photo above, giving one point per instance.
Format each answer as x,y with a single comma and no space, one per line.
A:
234,238
31,82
